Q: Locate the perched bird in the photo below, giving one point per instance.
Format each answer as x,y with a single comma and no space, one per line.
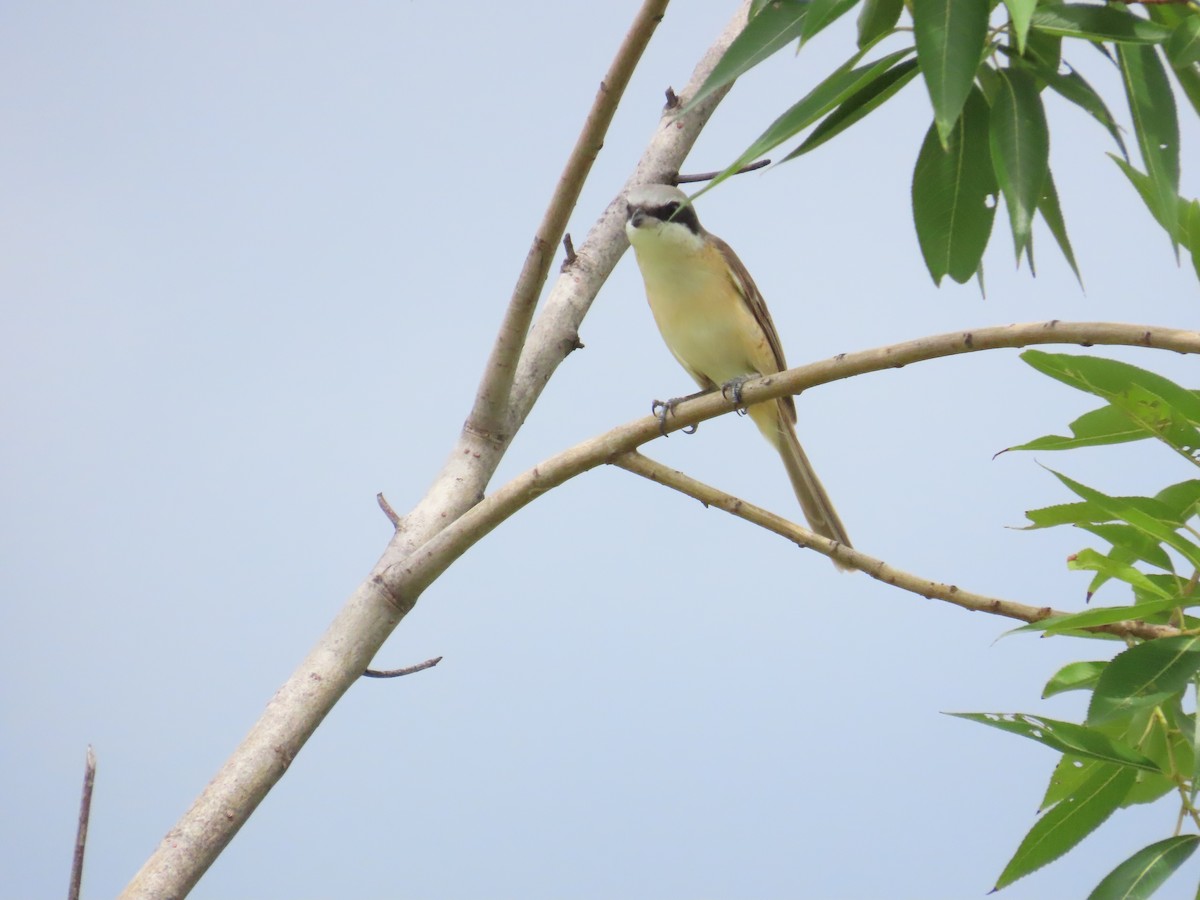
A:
716,323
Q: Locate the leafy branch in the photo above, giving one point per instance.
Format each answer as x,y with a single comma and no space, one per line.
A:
986,71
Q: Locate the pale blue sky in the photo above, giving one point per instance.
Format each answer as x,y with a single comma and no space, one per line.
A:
250,262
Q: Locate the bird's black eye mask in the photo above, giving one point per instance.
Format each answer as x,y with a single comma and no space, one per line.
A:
683,213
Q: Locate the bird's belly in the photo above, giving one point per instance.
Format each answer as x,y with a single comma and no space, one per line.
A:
707,327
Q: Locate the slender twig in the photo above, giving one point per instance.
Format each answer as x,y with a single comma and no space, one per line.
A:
407,670
855,559
418,571
85,814
490,412
569,249
392,515
709,176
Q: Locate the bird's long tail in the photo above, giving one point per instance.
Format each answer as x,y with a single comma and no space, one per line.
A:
818,509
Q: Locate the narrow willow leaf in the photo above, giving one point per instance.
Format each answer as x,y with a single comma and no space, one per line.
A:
775,26
1098,428
950,36
1144,675
1076,676
867,99
1133,545
1107,615
1097,23
1182,499
1080,513
1156,125
1142,874
1091,561
844,82
822,13
1074,87
1113,380
1153,525
1183,47
1020,145
877,18
1188,221
1189,80
1190,226
1069,822
953,193
1020,13
1066,737
1053,217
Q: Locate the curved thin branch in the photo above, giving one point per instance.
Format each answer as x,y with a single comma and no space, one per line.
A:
878,569
434,557
490,413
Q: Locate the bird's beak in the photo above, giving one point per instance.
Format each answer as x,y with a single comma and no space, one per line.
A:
636,218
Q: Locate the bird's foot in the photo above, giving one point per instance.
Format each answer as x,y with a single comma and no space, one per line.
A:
732,391
661,410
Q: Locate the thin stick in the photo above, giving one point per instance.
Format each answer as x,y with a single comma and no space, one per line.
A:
490,411
391,514
85,814
397,673
709,176
879,570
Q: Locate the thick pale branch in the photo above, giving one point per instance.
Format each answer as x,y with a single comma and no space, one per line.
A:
490,414
420,569
555,333
855,559
377,606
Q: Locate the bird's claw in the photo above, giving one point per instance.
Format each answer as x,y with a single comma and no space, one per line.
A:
732,391
661,410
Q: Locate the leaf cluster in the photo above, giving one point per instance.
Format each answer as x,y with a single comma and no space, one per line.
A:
986,66
1138,743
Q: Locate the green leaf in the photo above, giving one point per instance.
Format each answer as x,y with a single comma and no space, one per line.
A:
1098,428
1157,127
1091,561
1183,47
865,100
1069,822
844,82
1189,80
1020,144
950,35
1075,88
1020,13
1081,513
1097,23
1134,545
1066,737
877,18
951,190
1154,403
1142,874
1188,221
1076,676
1053,217
1189,230
1103,615
1144,675
1156,526
822,13
776,25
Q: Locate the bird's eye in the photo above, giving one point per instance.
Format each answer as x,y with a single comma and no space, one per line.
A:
669,210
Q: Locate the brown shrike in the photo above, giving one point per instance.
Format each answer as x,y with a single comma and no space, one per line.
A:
716,323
